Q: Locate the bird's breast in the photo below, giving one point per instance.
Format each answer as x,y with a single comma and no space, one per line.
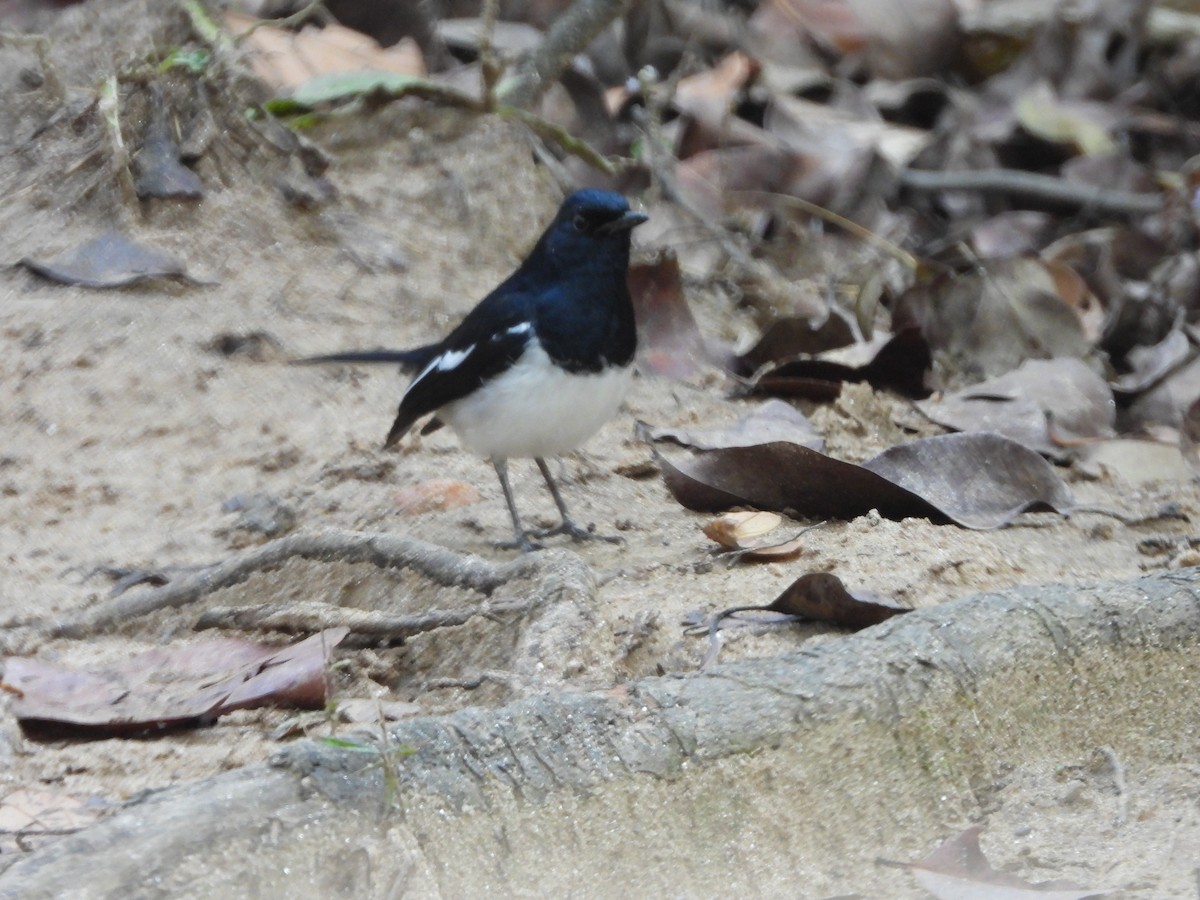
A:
537,408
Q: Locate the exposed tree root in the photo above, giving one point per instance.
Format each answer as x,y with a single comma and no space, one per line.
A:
384,550
313,616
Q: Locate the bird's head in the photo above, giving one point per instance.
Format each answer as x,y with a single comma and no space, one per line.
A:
590,233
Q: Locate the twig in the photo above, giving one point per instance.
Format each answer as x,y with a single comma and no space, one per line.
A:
1118,777
383,550
661,162
569,35
206,28
490,67
110,112
1034,187
568,142
313,616
866,235
504,679
314,9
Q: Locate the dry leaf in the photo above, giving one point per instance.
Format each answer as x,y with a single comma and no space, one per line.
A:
974,480
739,530
958,870
669,340
990,321
1022,404
823,597
171,686
34,811
108,261
899,361
286,59
1136,463
774,420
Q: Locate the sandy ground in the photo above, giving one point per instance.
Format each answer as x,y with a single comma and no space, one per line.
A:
126,430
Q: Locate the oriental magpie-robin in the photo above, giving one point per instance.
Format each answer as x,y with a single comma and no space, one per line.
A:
543,361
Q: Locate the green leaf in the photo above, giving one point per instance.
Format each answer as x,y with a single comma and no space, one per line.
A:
344,744
206,27
194,61
342,86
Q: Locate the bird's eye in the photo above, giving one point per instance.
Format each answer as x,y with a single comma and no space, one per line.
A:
581,223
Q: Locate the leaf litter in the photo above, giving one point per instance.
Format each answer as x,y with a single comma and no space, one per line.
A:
170,687
743,535
773,420
976,480
1036,102
959,870
1035,405
813,597
110,260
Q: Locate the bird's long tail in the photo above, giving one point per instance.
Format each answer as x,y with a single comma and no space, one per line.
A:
408,360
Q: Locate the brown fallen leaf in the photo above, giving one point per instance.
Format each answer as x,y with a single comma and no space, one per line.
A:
670,342
1021,405
171,686
34,811
1136,463
108,261
710,179
900,362
815,596
1016,232
158,171
989,321
774,420
790,337
976,480
734,530
738,533
710,95
895,40
363,711
1150,364
286,59
841,143
958,870
824,598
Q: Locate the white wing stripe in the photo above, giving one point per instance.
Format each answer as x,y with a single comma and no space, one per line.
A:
451,359
444,362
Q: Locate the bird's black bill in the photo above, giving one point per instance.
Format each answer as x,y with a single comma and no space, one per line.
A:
629,220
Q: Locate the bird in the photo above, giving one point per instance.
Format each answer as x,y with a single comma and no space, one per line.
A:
542,362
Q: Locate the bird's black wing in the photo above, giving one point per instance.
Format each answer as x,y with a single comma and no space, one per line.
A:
488,341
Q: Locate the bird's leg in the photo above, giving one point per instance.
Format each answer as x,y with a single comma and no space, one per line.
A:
522,541
568,525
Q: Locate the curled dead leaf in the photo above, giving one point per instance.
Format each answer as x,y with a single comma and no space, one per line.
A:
824,597
171,686
737,530
976,480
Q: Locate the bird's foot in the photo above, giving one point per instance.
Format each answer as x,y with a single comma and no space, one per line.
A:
578,533
522,543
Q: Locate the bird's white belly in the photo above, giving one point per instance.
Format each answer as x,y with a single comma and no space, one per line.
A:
536,409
